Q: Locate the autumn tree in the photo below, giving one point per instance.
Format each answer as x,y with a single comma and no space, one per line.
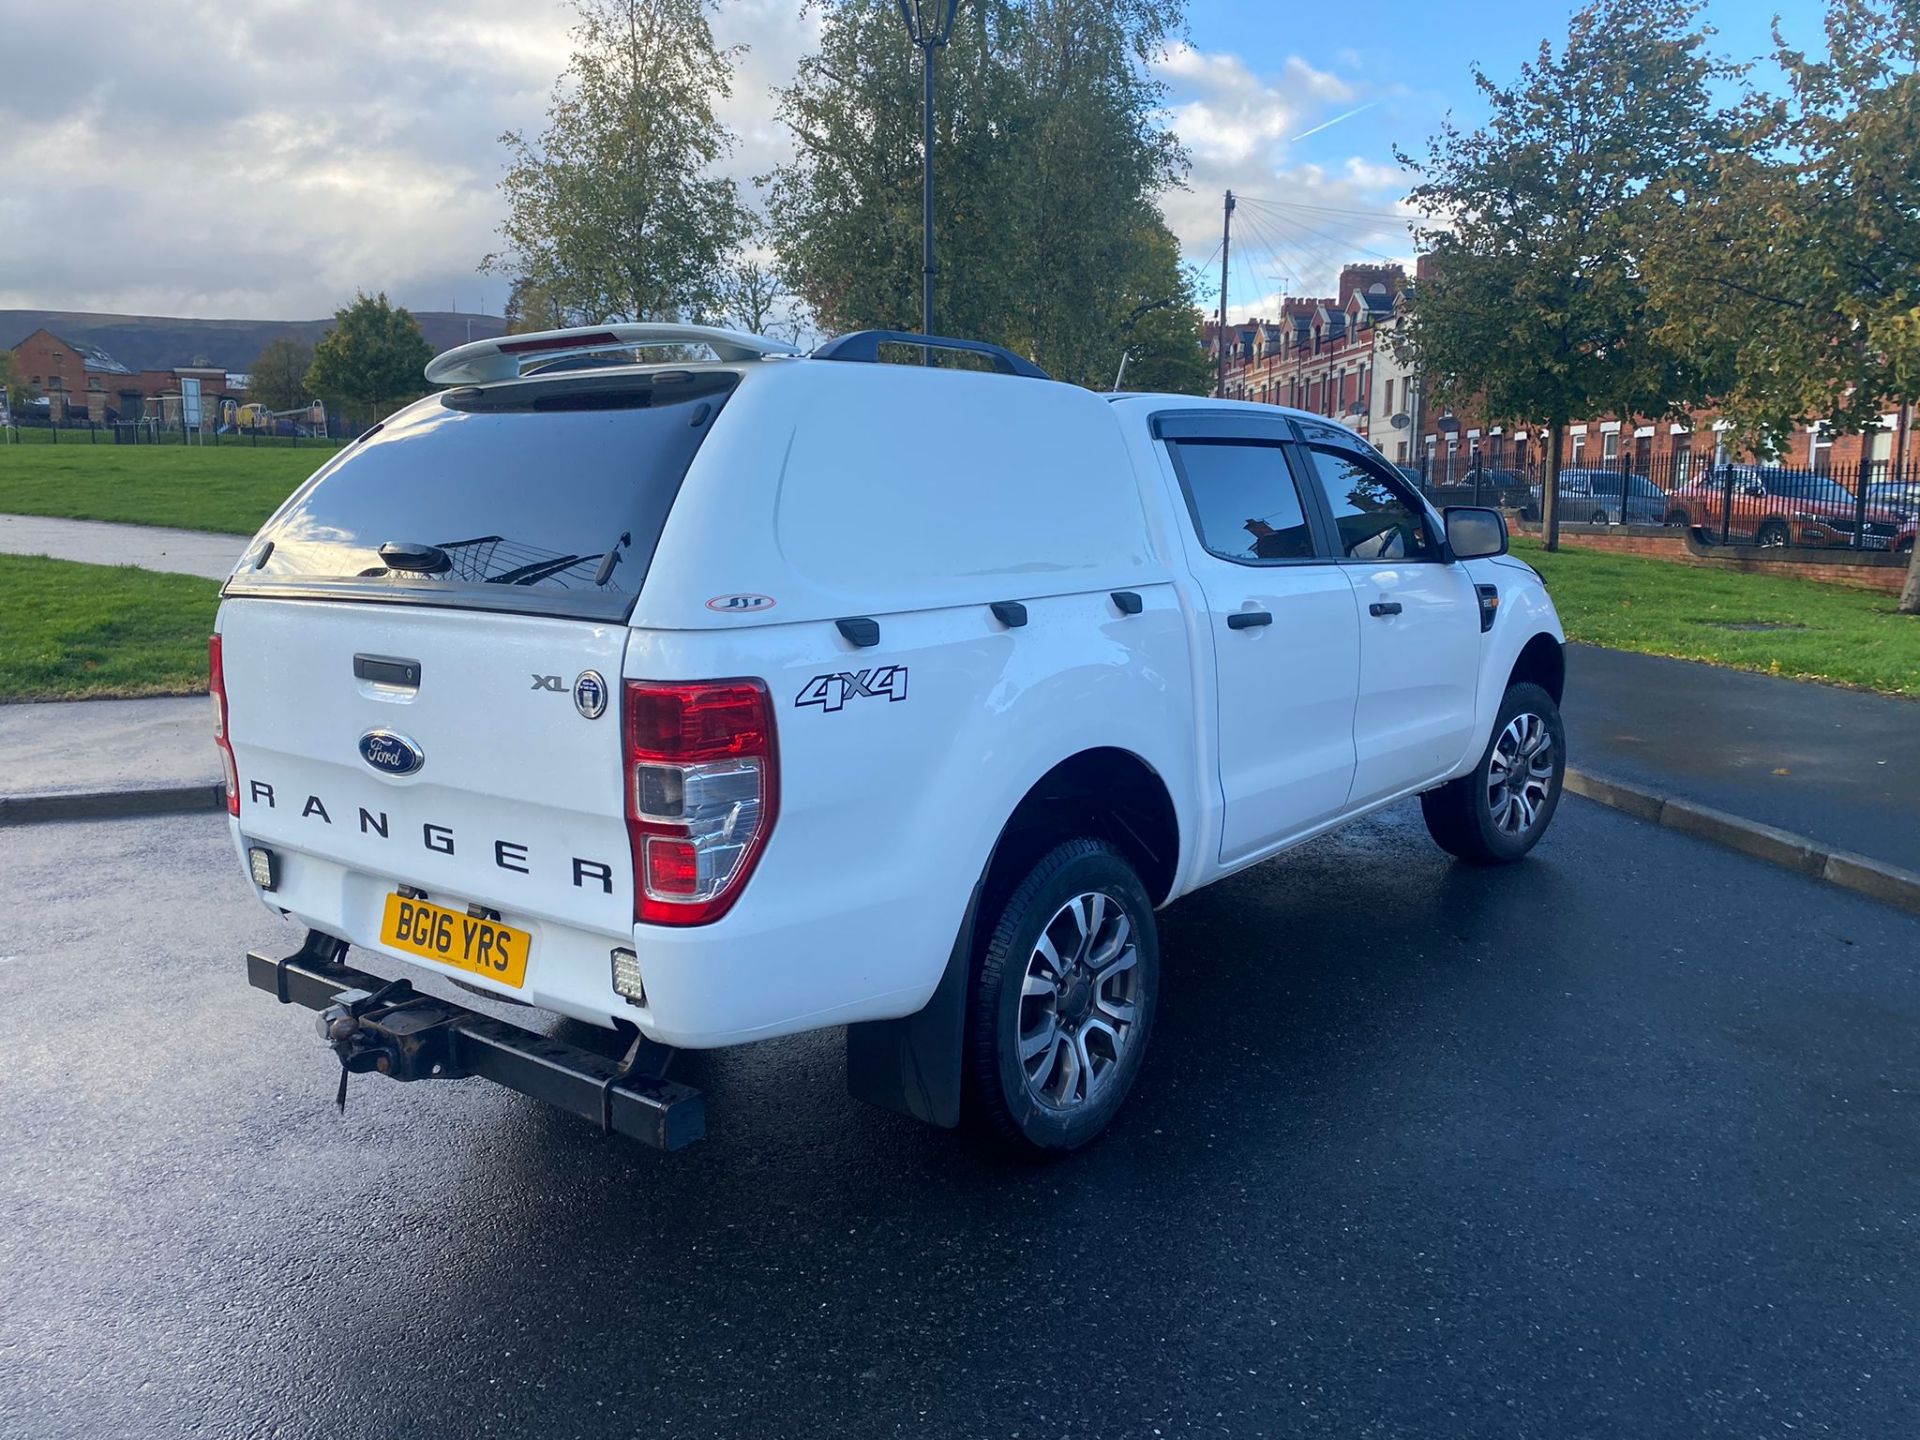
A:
1799,266
371,360
1050,148
614,212
530,306
277,378
14,381
1535,303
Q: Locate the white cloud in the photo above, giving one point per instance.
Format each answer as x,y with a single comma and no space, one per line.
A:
267,160
1300,222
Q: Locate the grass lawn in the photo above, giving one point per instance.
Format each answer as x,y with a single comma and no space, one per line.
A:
74,632
231,487
1657,607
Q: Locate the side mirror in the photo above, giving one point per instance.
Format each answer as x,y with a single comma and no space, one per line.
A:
1474,533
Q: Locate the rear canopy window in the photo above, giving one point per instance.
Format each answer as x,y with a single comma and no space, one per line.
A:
543,496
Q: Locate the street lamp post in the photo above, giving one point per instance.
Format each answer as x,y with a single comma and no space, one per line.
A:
929,26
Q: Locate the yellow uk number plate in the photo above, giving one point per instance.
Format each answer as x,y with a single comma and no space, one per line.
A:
453,937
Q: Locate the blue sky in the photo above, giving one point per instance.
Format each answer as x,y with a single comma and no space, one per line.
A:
1401,66
268,160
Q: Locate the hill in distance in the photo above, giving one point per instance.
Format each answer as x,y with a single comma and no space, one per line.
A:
160,342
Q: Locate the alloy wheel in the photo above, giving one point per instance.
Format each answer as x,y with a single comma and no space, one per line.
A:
1520,773
1079,1001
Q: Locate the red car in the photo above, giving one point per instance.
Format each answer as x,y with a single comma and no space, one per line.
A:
1776,507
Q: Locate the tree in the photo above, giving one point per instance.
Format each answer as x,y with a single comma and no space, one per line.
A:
1050,149
1161,333
754,298
1534,302
531,306
613,213
277,378
371,359
14,381
1802,260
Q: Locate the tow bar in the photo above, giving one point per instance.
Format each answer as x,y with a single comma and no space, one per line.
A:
387,1027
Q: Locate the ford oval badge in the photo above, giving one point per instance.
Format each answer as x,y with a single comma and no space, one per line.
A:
389,753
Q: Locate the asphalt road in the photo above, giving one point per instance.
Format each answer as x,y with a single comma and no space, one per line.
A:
1621,1142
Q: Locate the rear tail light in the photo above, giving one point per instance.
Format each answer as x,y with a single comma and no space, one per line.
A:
217,687
702,794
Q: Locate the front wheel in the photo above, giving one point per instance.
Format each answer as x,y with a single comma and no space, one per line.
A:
1064,1000
1499,811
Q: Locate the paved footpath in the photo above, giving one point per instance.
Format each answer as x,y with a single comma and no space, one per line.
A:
1839,766
97,542
105,747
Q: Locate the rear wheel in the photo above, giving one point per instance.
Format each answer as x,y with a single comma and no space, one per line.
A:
1497,813
1677,518
1773,535
1063,1001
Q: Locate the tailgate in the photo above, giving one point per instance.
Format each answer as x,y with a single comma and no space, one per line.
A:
516,804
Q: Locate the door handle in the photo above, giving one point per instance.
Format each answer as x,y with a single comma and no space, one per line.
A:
1247,619
1384,607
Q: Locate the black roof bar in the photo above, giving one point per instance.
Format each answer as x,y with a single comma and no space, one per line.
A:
864,345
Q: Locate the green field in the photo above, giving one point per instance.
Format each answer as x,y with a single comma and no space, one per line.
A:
73,632
1804,629
231,487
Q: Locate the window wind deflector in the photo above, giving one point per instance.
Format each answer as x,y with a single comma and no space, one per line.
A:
416,559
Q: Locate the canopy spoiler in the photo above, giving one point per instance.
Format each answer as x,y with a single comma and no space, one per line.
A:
481,361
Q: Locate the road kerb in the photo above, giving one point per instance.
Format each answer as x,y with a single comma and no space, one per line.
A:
112,804
1875,879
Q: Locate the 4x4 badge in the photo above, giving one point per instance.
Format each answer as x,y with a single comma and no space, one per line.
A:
590,694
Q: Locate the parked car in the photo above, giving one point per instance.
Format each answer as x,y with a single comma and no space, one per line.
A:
1773,506
883,696
1901,497
1593,497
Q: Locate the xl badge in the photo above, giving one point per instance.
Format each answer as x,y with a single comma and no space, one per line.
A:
389,753
590,694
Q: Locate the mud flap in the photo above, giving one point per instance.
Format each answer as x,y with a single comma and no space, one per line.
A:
913,1064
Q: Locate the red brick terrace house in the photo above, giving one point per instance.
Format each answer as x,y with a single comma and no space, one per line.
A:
84,383
1328,355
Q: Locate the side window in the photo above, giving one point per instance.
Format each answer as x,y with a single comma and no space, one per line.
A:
1243,500
1376,517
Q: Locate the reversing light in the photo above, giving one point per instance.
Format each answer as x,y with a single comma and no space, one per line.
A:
702,794
626,977
264,866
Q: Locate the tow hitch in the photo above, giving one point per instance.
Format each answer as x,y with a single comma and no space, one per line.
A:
389,1028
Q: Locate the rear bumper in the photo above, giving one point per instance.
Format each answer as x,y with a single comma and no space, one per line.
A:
657,1112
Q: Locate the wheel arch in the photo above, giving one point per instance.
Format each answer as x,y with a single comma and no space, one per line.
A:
1542,661
914,1064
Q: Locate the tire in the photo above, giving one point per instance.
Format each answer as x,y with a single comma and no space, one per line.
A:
1773,535
1677,518
1062,1095
1462,816
1600,517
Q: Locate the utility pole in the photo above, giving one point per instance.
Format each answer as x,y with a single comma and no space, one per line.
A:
1226,243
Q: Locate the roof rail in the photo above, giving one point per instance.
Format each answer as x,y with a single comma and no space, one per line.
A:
864,345
480,361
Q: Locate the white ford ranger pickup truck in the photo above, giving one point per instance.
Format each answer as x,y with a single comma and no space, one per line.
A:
706,701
